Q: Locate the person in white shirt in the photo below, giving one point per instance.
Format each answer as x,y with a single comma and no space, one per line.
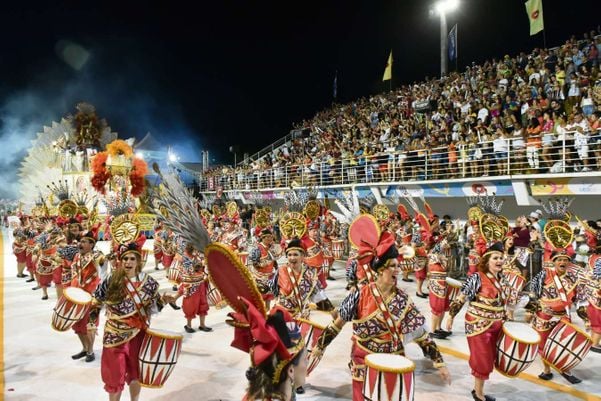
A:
581,134
500,146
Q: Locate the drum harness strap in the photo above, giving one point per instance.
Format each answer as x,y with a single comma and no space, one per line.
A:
133,293
295,287
497,284
561,291
84,260
397,337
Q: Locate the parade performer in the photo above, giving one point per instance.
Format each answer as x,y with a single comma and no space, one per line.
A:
272,339
555,288
593,282
193,288
513,273
157,246
68,246
485,291
19,246
421,243
384,317
232,235
46,260
437,285
130,296
263,260
84,274
314,256
295,285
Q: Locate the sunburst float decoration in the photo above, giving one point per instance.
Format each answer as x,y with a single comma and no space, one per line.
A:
118,160
49,156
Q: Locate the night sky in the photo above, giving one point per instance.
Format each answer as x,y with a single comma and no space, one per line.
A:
208,75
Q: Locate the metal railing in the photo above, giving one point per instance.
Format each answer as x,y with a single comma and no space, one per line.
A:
533,155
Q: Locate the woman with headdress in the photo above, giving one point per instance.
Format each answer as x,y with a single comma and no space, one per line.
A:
593,292
511,268
370,309
130,296
485,291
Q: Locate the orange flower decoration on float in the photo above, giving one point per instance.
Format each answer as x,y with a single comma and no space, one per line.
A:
119,147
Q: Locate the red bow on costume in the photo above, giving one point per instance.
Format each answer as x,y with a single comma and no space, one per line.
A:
367,251
262,338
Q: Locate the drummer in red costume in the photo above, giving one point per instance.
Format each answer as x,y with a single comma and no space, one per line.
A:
194,289
68,246
84,274
370,310
157,246
295,285
485,290
593,283
19,248
556,290
437,285
314,256
263,260
130,297
46,260
231,236
421,243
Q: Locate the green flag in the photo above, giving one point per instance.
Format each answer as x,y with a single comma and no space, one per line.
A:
534,9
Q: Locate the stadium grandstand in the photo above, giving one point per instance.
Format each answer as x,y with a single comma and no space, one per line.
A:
533,113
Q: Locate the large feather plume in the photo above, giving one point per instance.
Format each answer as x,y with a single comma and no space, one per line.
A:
184,219
349,208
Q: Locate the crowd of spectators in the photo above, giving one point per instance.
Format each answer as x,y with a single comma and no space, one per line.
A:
531,113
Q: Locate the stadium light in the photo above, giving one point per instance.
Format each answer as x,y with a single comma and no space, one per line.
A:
140,155
172,157
442,7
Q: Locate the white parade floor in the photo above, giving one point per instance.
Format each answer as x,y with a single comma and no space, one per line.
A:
38,366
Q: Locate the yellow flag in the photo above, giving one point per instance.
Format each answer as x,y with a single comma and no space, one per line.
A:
388,70
534,8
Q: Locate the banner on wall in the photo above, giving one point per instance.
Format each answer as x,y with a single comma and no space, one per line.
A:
438,190
565,186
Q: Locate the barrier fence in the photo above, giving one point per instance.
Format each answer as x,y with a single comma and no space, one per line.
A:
572,151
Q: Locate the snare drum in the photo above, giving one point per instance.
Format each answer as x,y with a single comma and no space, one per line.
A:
516,348
311,329
70,308
453,288
337,248
566,346
388,377
158,356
